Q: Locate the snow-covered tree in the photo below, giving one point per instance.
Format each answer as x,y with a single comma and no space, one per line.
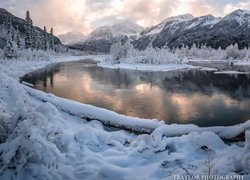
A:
45,39
9,50
116,52
51,40
39,41
28,31
232,52
17,38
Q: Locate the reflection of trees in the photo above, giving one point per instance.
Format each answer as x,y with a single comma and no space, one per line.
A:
177,81
187,82
44,75
176,96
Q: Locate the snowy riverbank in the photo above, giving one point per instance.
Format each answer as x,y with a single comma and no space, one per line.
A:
47,137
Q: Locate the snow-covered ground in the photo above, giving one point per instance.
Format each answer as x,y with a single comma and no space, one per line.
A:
46,137
146,67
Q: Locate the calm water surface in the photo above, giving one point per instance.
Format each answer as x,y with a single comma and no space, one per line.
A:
189,96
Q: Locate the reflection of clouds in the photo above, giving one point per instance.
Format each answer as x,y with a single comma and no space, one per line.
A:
187,109
142,88
61,78
145,100
138,94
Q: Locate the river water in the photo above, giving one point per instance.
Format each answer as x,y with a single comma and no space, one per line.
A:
188,96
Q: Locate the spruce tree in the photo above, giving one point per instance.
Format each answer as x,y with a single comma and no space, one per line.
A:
33,37
18,42
45,41
9,50
28,31
51,42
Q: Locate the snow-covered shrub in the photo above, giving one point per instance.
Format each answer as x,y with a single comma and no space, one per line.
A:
119,51
246,153
128,54
10,50
28,54
159,56
29,145
116,52
247,55
233,52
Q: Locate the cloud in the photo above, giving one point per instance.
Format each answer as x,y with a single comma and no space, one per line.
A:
86,15
231,7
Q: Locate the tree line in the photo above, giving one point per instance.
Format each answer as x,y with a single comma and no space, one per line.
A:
32,38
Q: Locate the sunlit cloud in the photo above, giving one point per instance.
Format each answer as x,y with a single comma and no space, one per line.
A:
86,15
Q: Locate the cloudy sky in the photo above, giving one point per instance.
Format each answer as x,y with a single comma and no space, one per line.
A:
86,15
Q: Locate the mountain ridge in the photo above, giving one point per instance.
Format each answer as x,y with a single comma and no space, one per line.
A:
203,30
101,39
71,37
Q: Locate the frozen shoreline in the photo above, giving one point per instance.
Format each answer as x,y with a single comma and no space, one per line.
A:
146,67
62,145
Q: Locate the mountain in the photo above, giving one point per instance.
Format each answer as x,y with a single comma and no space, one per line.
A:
100,39
205,30
71,37
19,24
165,31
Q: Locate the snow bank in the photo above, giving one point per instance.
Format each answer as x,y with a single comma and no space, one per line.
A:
114,119
231,72
89,112
146,67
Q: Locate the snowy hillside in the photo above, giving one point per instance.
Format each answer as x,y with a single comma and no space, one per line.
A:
172,20
19,26
205,30
240,16
71,37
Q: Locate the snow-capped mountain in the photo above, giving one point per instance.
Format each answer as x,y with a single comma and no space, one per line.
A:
240,16
71,37
101,38
167,29
122,28
172,20
205,30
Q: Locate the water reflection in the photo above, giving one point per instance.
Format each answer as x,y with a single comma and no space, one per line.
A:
198,97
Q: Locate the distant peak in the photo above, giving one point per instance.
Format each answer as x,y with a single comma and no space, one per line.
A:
239,12
179,17
182,16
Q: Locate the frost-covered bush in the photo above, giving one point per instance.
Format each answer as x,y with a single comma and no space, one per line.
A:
10,50
233,52
29,54
31,143
128,54
119,51
159,56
